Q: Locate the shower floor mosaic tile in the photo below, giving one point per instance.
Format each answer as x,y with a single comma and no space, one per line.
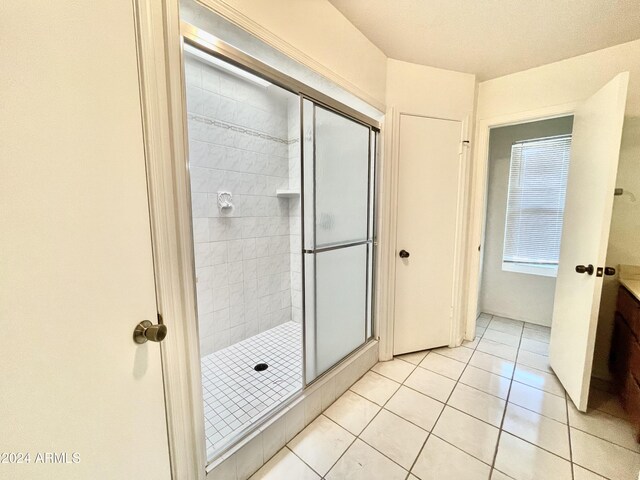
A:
236,395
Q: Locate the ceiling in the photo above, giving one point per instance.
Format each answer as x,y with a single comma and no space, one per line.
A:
492,38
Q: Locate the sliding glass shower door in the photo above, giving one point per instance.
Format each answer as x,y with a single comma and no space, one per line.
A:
338,235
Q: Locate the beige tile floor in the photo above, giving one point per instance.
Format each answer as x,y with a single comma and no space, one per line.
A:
491,409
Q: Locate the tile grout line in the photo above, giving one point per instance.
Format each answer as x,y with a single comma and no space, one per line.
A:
382,408
429,433
476,418
504,413
595,473
440,414
604,439
566,406
542,390
507,402
567,400
527,441
415,366
231,380
357,437
448,378
569,427
286,445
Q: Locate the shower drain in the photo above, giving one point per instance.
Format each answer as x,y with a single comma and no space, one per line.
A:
260,367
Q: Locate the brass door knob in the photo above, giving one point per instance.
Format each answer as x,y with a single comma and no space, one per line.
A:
146,330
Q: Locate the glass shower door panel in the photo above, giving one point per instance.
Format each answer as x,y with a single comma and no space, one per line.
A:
341,304
338,230
341,179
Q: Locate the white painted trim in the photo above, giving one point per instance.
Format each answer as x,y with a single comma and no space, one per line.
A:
457,320
528,269
236,17
163,118
388,202
520,318
388,228
478,197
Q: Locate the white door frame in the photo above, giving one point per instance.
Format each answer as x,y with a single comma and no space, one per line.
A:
388,226
478,197
165,138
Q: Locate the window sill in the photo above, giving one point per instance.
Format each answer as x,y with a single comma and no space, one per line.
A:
529,269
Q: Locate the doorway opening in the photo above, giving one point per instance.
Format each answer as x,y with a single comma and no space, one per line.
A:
526,186
586,219
528,166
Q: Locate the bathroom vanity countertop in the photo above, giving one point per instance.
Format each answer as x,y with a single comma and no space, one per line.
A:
630,278
632,285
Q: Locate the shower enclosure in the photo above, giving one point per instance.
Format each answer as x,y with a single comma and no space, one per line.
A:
282,191
338,235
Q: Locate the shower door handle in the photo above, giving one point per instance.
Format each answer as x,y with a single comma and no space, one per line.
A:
404,254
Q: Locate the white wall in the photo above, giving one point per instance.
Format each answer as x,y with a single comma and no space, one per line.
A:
569,81
511,294
429,91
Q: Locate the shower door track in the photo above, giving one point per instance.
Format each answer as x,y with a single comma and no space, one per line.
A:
203,40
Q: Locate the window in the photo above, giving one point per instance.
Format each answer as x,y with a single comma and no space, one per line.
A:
535,205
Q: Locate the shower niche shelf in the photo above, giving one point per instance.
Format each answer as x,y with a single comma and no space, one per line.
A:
283,193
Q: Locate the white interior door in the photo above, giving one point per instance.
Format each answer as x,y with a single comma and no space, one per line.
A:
595,148
428,188
76,262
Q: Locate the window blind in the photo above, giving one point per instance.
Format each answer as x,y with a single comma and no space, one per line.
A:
535,203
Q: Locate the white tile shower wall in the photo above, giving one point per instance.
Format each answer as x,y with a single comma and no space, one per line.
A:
238,142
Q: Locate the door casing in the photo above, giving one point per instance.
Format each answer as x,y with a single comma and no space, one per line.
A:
478,200
161,75
388,226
